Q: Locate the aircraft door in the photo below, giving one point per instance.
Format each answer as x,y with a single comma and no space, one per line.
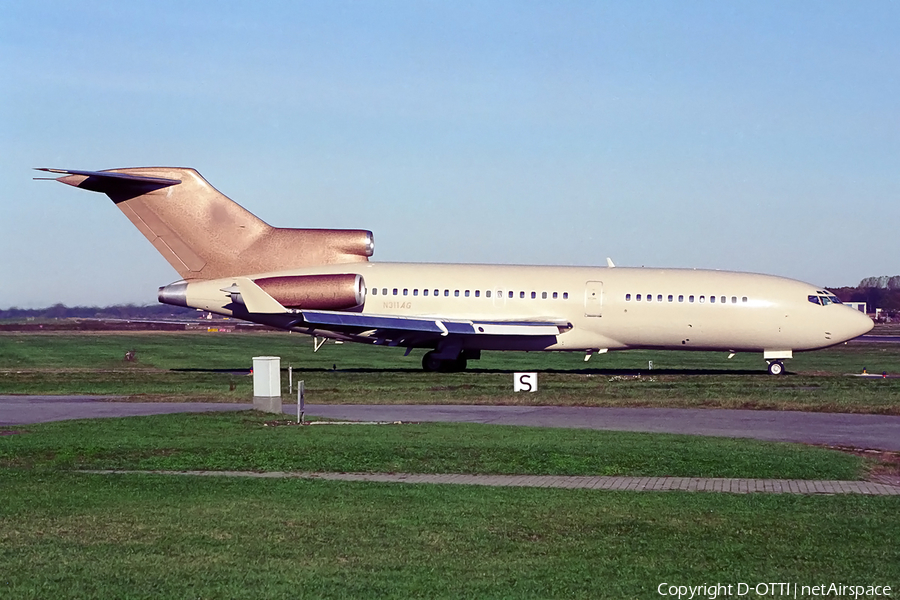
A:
499,298
593,299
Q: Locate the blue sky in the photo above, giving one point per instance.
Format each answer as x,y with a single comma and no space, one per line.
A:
759,136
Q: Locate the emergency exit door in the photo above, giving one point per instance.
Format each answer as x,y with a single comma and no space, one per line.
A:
593,299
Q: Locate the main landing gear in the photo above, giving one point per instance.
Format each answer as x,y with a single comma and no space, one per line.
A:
776,367
430,362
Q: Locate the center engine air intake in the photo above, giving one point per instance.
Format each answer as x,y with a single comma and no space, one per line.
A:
316,292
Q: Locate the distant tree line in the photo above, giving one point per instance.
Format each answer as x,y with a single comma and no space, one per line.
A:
884,282
877,292
119,311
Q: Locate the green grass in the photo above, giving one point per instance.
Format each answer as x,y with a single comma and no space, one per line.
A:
65,534
229,441
139,536
203,366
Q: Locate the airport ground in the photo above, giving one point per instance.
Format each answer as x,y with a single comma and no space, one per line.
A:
200,366
66,533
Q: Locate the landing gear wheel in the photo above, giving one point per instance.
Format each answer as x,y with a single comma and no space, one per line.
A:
776,367
436,365
430,363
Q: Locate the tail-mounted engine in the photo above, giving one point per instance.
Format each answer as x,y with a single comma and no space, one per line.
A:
316,292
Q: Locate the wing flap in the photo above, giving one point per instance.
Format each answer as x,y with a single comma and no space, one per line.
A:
442,327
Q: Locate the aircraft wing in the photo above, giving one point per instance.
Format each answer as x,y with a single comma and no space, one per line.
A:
390,329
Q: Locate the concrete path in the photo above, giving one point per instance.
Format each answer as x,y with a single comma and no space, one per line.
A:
835,429
626,484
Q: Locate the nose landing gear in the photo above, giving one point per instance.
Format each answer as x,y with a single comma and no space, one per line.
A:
776,367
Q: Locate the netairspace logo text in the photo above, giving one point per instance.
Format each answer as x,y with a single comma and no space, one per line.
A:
772,590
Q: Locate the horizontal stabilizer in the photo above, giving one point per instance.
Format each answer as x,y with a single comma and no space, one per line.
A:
115,185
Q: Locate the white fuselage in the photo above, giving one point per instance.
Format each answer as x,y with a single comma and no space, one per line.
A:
608,308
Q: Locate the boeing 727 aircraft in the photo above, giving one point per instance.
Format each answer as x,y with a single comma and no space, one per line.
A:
320,282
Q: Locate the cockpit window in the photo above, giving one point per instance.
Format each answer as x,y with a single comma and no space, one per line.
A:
824,298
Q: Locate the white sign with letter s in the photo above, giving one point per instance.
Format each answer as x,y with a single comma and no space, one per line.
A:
525,382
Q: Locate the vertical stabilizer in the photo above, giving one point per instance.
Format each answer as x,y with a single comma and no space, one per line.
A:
205,235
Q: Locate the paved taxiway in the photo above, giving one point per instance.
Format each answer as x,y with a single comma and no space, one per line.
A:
862,431
839,429
21,410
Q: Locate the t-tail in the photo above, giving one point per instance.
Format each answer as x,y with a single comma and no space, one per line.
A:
204,234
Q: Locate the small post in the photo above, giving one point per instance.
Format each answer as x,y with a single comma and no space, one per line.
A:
301,400
649,365
290,379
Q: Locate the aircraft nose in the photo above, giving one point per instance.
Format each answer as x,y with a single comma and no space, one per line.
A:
856,324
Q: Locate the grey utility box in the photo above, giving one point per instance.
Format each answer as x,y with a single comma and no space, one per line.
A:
267,384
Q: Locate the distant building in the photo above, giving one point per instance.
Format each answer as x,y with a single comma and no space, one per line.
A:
860,306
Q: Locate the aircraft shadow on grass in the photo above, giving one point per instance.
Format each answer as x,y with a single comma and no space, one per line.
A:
604,372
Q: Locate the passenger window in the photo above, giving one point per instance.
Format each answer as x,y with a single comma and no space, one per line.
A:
565,295
467,293
511,294
446,293
712,299
637,298
374,291
722,299
543,295
395,291
384,291
649,297
437,292
487,294
477,293
702,299
456,293
691,298
744,299
734,299
424,292
416,292
521,294
533,295
659,298
554,295
680,298
627,297
405,292
671,297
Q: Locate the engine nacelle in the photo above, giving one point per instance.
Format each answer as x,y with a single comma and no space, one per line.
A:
327,246
316,292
